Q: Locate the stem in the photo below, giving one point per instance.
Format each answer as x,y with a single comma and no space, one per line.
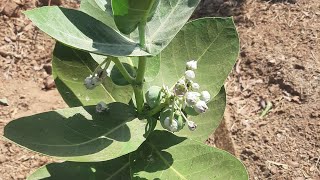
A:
141,69
123,70
106,61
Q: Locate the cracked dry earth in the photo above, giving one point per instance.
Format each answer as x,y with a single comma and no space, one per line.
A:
279,64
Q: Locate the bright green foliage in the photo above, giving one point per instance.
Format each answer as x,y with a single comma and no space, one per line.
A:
130,54
129,13
80,134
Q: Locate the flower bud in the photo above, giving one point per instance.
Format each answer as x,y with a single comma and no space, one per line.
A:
200,107
154,96
192,126
192,98
189,74
173,127
191,65
205,96
195,86
91,82
101,106
180,88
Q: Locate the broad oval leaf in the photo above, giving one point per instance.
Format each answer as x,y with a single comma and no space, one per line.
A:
71,67
213,42
129,13
162,156
166,156
77,29
80,134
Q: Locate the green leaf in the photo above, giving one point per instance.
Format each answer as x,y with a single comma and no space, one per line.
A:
80,134
129,13
71,67
162,156
166,156
77,29
113,169
169,17
91,8
208,121
213,42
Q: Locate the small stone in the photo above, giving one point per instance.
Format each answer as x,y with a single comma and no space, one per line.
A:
48,68
49,83
293,164
10,9
4,102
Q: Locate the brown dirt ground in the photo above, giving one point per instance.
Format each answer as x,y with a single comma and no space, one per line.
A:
279,63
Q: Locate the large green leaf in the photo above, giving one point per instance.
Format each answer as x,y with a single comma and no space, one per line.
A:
213,42
162,156
71,67
129,13
169,17
79,30
80,134
166,156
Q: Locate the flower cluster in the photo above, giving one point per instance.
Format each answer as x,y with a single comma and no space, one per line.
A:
187,100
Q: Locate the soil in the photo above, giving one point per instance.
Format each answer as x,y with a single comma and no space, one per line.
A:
279,64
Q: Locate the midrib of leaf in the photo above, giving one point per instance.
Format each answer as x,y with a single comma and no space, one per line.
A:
165,161
164,22
113,99
93,139
118,171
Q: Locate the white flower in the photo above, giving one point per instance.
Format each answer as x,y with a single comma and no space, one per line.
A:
192,98
192,65
189,74
205,96
171,127
195,86
91,82
200,107
101,106
192,126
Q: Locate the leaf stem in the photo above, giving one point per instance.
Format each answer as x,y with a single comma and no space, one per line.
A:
106,61
123,70
138,87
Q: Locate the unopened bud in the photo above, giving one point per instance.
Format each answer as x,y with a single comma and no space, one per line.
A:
205,96
173,127
192,126
189,74
200,107
195,86
192,98
191,65
101,106
91,82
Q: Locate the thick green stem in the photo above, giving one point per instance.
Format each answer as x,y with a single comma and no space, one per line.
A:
123,70
138,87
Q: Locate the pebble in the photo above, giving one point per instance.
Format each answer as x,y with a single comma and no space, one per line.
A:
293,164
